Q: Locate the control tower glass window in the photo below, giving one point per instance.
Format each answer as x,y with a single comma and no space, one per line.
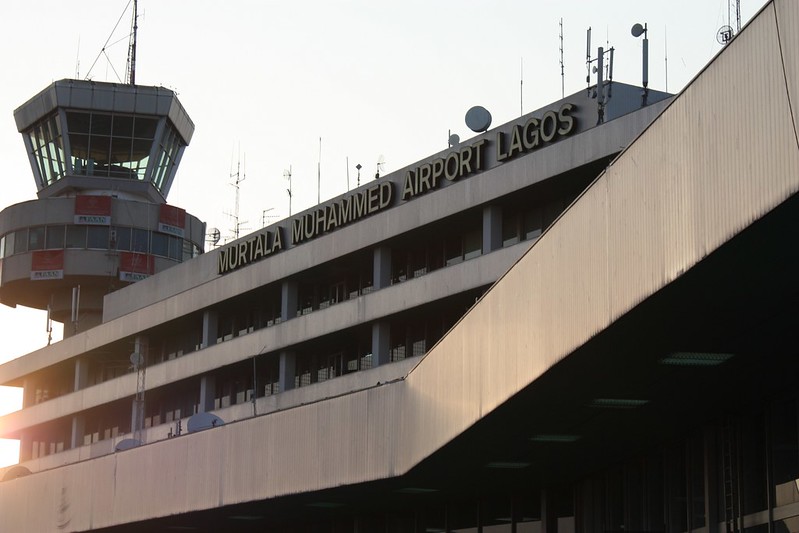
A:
168,151
110,145
48,150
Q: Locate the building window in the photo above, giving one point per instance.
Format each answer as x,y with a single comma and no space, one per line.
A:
55,237
97,237
76,237
36,238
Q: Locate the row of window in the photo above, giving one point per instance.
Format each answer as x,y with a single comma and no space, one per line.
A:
60,236
102,144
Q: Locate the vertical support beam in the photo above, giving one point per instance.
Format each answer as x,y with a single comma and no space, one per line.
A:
288,302
381,273
207,393
381,335
81,373
78,430
210,328
141,347
25,447
549,518
711,481
492,228
287,370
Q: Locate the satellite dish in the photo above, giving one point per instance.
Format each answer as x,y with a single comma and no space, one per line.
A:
478,119
637,30
15,472
136,360
454,139
725,34
127,444
214,235
202,421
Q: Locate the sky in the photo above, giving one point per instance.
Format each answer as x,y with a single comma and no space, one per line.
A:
319,86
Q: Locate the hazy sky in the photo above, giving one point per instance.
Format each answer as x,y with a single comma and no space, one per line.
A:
267,79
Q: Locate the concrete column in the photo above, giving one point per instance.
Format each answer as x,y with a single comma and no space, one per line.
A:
381,274
28,393
381,340
492,228
78,429
288,302
549,518
210,328
287,370
25,447
81,373
207,393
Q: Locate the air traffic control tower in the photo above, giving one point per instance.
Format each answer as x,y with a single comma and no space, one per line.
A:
103,157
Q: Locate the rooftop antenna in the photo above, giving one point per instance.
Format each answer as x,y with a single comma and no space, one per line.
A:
521,86
562,78
77,61
358,167
381,161
348,172
267,218
240,175
106,45
319,174
453,140
638,30
287,175
666,56
130,77
737,16
588,59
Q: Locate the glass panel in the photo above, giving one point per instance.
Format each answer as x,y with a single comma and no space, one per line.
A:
123,126
122,238
120,154
145,128
76,237
36,238
140,241
160,244
100,153
78,122
55,237
97,237
175,248
101,124
140,156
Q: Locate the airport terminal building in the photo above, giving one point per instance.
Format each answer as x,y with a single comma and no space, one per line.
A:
583,320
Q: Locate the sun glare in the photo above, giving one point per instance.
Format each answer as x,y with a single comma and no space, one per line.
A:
10,400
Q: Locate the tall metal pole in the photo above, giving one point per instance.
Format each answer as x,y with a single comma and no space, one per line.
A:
132,49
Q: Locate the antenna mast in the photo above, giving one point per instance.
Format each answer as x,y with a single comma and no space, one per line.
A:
521,86
131,73
287,175
240,176
562,78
